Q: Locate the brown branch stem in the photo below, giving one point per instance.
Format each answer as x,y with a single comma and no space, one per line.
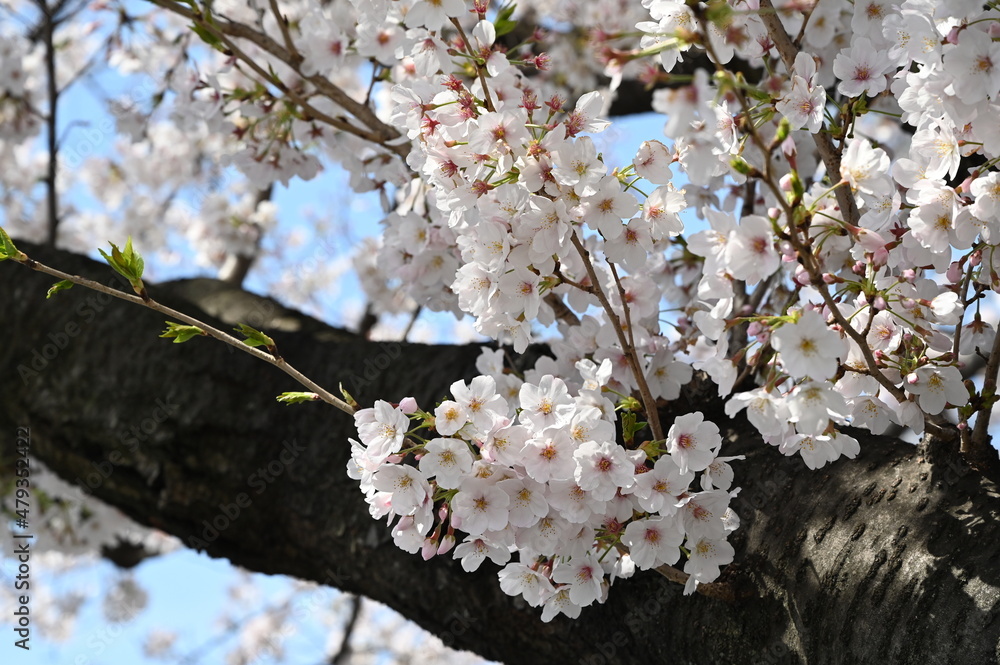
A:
648,403
210,331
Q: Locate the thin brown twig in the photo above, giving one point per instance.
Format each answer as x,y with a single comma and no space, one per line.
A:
378,132
979,443
51,119
648,403
210,331
286,35
479,69
829,154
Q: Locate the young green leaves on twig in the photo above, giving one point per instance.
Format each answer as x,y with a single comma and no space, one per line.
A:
255,337
62,285
181,332
297,397
8,250
128,264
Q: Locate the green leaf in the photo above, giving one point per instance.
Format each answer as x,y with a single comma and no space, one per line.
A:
181,332
720,13
207,37
128,264
63,285
254,337
7,248
297,398
348,397
630,404
503,24
134,259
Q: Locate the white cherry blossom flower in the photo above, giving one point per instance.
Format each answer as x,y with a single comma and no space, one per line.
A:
653,542
808,347
518,579
707,555
861,69
447,460
693,442
936,387
479,506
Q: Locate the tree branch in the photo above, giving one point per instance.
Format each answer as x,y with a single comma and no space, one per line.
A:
827,556
824,144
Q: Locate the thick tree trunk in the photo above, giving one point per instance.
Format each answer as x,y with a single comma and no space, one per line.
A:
890,558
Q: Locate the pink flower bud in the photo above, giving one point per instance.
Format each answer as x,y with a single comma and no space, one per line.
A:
786,182
788,252
802,277
912,379
447,543
428,549
954,273
880,257
408,405
879,303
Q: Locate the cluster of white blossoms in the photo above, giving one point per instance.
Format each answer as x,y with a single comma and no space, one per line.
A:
803,238
847,318
539,485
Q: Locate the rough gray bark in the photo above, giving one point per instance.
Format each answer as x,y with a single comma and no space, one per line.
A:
890,558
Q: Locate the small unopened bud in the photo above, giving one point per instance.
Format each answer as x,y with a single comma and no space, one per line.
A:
740,165
784,128
954,272
408,405
447,543
802,277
